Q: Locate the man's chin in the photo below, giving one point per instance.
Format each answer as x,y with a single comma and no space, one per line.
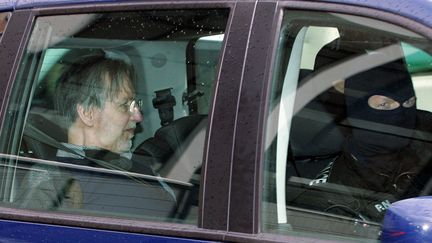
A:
125,147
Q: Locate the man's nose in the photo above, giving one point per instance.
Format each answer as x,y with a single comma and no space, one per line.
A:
136,115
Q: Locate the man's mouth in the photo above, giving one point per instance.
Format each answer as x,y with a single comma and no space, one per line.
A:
130,129
130,132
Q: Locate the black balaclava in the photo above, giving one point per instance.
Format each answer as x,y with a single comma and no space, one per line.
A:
391,80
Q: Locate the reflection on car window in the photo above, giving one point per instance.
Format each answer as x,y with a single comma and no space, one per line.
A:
355,136
110,114
4,17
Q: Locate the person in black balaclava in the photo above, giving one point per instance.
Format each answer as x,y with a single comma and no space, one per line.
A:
381,109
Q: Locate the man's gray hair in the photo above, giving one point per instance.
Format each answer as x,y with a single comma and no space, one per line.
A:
90,82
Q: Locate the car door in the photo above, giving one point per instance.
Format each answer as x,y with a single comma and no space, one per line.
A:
298,117
260,138
177,51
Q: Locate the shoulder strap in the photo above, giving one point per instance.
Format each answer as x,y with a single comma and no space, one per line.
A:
38,135
34,133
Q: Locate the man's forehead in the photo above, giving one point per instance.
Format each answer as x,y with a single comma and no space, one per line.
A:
122,89
126,92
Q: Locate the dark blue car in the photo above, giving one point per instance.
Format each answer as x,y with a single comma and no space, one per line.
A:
216,120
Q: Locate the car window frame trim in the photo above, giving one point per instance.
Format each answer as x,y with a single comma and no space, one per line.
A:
258,123
28,16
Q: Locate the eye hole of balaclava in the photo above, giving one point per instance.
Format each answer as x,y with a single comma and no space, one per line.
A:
380,106
380,102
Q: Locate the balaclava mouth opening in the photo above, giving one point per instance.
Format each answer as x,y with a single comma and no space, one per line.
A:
379,132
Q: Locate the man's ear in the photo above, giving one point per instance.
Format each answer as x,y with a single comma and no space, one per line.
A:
87,116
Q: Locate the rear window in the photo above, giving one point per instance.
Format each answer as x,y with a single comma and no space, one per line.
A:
349,125
109,113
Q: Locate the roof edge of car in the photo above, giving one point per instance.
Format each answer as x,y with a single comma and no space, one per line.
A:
6,5
418,10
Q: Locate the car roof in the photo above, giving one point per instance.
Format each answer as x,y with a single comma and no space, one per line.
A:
419,10
25,4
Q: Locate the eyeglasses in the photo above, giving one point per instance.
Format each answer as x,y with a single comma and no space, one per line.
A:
130,106
135,104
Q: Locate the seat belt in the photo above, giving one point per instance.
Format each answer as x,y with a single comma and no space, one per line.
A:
36,134
284,123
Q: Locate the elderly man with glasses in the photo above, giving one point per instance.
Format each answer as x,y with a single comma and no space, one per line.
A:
96,96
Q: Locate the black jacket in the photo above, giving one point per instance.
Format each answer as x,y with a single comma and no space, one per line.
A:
100,183
361,190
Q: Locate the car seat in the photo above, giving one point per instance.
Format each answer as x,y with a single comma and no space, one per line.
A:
177,152
175,144
316,133
48,123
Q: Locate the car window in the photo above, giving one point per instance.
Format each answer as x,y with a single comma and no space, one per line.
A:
348,128
4,17
108,113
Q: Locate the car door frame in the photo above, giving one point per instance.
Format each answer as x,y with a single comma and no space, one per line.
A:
214,193
233,163
248,157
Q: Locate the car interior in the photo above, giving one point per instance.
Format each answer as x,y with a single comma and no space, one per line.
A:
175,55
318,124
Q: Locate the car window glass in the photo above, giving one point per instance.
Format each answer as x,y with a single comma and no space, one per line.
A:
108,114
348,128
4,17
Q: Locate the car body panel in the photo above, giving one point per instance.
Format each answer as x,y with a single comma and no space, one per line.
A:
409,220
12,231
6,6
246,84
418,10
